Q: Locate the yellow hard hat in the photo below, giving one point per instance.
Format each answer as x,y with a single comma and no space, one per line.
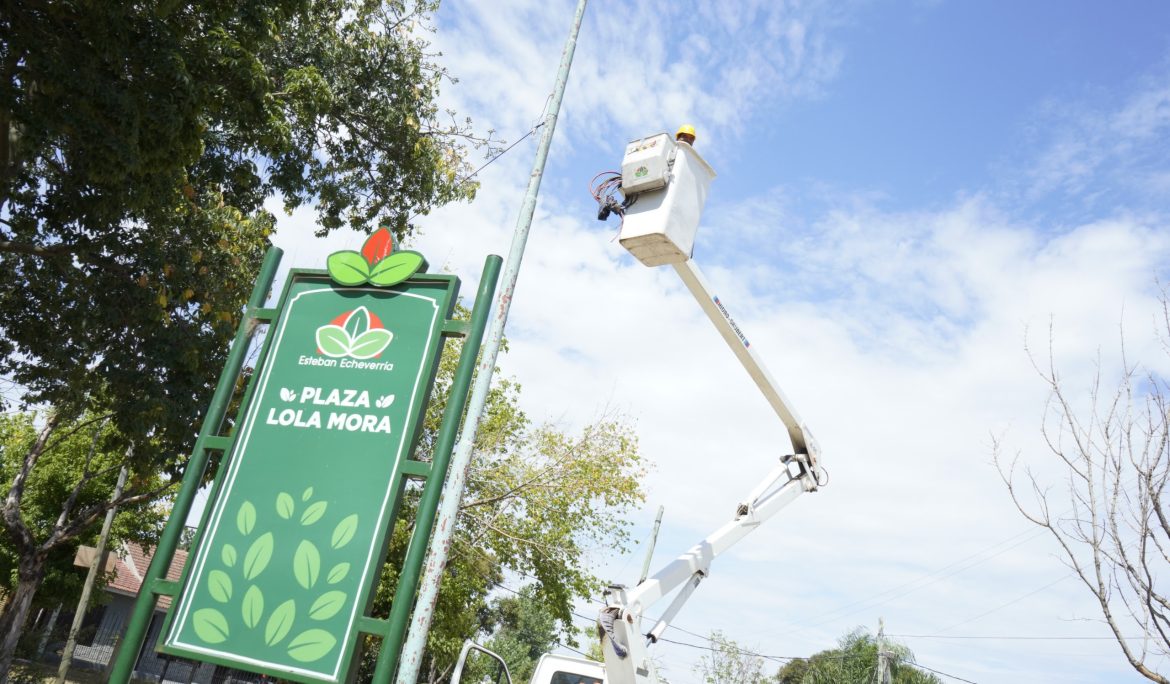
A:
685,129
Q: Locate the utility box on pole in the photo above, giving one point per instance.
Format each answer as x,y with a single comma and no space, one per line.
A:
665,183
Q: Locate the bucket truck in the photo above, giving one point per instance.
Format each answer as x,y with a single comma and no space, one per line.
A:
663,184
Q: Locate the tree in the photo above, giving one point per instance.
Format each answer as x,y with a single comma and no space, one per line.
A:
727,663
1108,517
538,502
855,661
524,631
138,144
55,529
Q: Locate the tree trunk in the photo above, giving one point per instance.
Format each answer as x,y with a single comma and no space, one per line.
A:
30,574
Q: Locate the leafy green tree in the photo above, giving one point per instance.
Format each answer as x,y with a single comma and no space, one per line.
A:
138,144
524,631
538,502
854,661
727,663
79,470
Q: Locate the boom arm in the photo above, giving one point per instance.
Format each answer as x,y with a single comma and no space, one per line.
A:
624,644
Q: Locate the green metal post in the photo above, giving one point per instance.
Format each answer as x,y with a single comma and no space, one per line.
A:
429,502
131,642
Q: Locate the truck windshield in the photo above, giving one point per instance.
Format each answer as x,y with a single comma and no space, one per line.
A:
571,678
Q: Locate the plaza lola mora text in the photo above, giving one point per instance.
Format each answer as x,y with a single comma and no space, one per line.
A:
352,421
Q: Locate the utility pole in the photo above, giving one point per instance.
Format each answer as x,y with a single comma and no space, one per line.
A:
650,548
883,665
428,593
99,561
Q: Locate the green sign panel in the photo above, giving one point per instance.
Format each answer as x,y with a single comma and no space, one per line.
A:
296,534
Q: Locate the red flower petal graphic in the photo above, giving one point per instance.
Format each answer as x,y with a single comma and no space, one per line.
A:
378,246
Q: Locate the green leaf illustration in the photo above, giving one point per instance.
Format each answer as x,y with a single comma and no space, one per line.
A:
370,343
344,531
395,268
246,518
210,625
219,585
280,622
258,556
284,505
358,322
307,564
338,573
348,268
311,644
307,495
313,513
228,555
332,340
253,608
330,603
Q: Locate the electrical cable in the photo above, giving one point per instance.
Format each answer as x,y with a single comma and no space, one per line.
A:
488,163
1015,637
843,656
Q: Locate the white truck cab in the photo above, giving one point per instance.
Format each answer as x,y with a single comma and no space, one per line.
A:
550,669
560,669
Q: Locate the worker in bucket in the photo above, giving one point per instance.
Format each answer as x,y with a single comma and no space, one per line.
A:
686,133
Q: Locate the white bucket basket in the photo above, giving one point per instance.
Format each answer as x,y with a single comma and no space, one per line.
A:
660,225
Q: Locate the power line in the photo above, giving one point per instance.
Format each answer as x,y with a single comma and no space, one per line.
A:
843,656
489,162
1016,637
1011,602
918,583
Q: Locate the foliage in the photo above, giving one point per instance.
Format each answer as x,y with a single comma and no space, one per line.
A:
1114,456
855,661
727,663
524,631
538,500
138,143
52,483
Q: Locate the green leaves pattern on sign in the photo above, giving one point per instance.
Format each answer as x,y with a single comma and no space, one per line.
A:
213,627
311,644
307,564
313,513
280,623
220,586
258,556
246,519
284,505
253,608
344,532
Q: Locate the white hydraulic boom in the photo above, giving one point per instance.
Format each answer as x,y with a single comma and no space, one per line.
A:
624,643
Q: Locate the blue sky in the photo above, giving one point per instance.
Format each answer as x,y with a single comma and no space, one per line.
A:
911,196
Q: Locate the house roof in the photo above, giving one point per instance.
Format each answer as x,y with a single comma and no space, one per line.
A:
130,563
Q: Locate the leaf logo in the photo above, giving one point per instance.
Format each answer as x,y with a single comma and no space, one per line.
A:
357,334
287,394
377,263
385,401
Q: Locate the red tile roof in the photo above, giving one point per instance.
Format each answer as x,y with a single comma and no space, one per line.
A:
130,565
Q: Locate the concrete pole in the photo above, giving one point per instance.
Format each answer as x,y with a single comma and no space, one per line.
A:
428,592
90,578
883,664
47,631
650,549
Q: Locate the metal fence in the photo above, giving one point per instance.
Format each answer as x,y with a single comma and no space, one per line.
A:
103,627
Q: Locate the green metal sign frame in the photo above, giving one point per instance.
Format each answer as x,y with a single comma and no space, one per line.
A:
294,537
